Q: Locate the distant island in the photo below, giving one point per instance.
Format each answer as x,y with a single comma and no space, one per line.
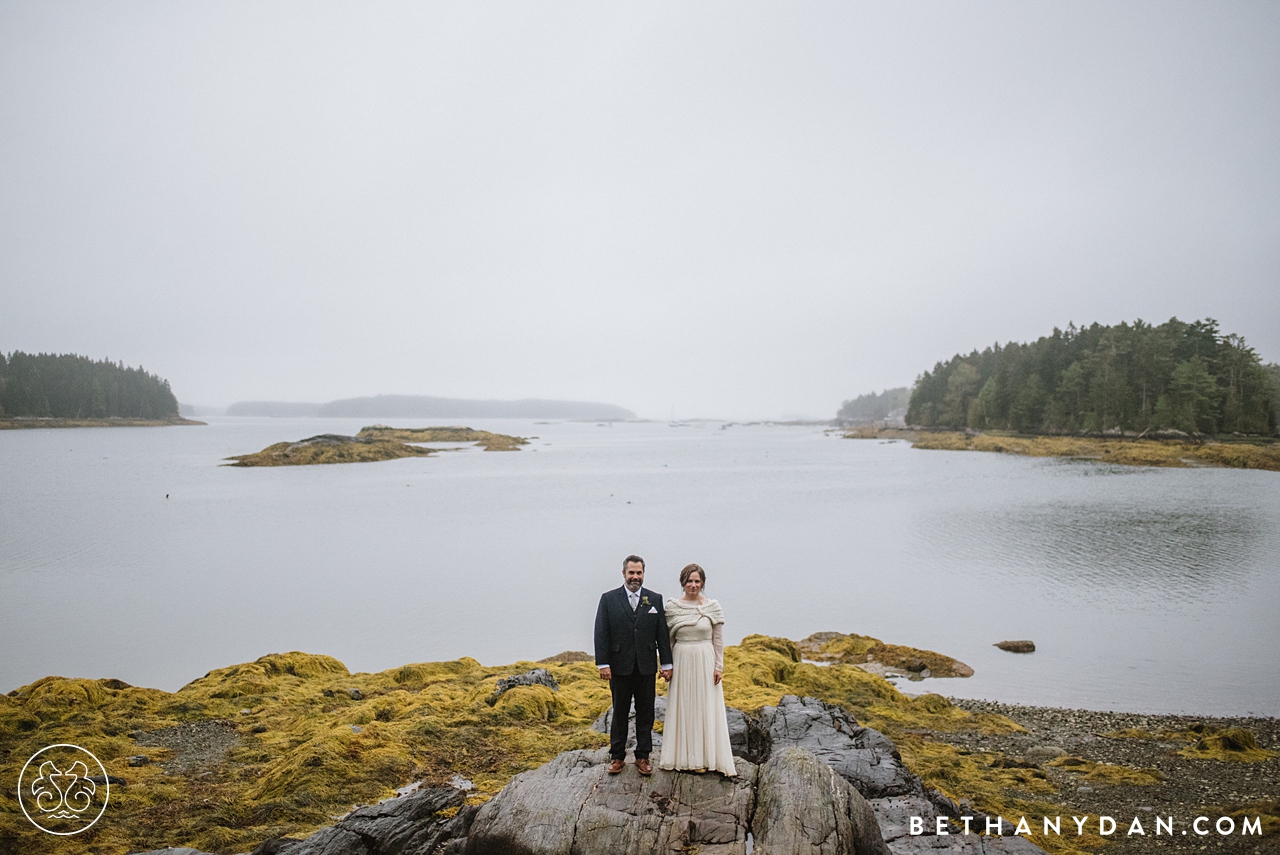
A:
67,390
377,442
426,407
890,406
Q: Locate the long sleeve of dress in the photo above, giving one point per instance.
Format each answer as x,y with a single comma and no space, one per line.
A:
717,644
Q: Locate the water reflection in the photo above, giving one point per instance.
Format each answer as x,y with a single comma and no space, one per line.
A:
1121,550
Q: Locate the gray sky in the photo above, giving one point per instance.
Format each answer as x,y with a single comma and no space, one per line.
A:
732,209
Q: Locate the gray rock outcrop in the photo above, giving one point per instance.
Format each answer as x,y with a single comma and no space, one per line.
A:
571,806
409,825
803,806
536,677
862,756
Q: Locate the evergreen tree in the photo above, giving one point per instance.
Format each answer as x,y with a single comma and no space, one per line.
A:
1130,377
75,387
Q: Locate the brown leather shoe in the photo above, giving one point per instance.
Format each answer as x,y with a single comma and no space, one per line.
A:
615,766
643,766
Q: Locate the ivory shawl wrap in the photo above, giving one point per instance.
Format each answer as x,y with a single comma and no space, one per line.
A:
680,614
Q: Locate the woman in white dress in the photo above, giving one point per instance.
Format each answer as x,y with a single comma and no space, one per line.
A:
695,732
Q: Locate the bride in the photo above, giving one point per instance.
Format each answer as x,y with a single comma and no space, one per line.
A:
695,733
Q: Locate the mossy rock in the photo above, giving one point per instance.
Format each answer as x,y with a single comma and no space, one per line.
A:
933,703
854,649
489,441
329,448
61,692
782,646
1107,773
529,703
422,673
1233,744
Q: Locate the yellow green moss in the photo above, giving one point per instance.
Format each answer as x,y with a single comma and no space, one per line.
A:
1268,812
489,441
1232,744
995,790
377,442
1107,773
311,452
307,751
863,649
1126,452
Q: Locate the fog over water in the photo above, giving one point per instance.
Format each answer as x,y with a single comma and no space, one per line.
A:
731,211
1144,589
735,210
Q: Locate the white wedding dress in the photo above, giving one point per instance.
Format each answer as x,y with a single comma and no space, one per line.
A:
695,732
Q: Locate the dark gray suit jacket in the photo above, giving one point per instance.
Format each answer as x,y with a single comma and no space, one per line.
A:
628,641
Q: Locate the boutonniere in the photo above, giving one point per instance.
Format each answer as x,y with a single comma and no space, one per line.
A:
644,601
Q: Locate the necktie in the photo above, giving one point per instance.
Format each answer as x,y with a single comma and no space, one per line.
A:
635,600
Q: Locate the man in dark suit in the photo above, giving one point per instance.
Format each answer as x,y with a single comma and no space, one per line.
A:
631,640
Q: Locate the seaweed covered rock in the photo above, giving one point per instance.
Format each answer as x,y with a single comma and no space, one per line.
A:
572,805
377,442
329,448
534,677
414,824
862,756
803,806
874,655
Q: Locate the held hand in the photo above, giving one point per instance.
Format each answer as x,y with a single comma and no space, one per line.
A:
606,673
666,674
716,677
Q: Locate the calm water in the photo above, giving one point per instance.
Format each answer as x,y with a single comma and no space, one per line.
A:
1144,589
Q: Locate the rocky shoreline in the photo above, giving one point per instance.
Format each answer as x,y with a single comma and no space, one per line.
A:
812,780
1187,787
261,756
1224,452
34,422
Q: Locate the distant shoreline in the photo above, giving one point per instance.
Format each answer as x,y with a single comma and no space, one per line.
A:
30,422
1242,453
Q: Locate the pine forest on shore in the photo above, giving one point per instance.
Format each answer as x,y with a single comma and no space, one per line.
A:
67,386
1127,378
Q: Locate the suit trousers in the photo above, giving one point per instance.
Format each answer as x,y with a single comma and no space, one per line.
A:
641,688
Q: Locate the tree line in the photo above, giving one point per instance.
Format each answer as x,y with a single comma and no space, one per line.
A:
76,387
873,407
1135,377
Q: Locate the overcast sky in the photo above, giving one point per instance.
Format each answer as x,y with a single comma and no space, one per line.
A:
734,210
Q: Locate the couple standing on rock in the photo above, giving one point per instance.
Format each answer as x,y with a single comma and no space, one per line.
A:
634,638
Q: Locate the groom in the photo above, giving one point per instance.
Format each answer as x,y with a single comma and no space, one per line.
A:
631,636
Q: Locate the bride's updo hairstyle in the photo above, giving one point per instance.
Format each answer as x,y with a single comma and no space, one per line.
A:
689,570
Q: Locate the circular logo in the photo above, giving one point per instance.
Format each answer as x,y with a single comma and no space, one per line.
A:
63,789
